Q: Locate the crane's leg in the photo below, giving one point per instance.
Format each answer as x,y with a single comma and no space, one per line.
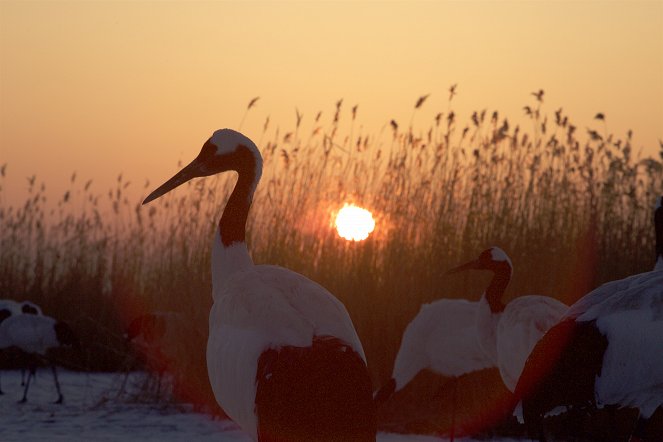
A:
534,423
454,403
27,386
126,369
159,374
640,429
57,384
22,377
32,371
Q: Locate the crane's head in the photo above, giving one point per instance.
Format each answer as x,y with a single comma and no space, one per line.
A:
225,150
494,259
30,308
150,327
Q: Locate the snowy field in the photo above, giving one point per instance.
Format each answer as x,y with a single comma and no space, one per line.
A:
93,411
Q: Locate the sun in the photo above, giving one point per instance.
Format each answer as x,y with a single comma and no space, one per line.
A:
354,223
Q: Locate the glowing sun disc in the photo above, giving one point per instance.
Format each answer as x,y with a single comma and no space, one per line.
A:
354,223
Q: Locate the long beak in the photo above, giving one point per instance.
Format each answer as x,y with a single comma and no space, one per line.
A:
467,266
192,170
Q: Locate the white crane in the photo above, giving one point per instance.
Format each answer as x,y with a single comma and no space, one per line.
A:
158,331
34,336
9,307
606,350
441,338
507,333
283,357
159,338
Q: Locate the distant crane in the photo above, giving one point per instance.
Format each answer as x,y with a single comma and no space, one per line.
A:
34,336
9,307
283,357
606,350
158,336
507,333
441,338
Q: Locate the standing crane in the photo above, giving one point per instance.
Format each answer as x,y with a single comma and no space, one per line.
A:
283,357
507,333
10,308
34,336
441,338
607,350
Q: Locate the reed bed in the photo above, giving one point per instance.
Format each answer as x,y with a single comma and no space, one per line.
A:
571,206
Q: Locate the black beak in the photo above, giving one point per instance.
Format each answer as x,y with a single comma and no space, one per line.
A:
194,169
472,265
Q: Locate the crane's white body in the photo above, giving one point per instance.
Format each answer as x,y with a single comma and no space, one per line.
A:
629,312
257,308
524,321
31,333
442,338
616,332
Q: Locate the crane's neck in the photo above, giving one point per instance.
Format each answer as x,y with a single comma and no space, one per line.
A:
229,252
497,287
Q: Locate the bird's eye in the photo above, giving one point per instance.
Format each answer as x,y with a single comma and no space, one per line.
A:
208,150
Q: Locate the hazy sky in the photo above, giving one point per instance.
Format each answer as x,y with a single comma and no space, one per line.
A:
104,87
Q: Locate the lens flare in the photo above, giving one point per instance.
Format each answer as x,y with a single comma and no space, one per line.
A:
354,223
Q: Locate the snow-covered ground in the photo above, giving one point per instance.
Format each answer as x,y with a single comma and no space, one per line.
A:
93,411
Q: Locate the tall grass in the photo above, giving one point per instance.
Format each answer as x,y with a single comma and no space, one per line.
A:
572,207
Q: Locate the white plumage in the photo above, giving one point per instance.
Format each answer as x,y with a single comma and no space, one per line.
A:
522,324
35,335
442,338
617,331
631,318
508,333
31,333
10,307
262,308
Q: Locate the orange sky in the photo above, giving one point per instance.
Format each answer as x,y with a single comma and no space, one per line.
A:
108,87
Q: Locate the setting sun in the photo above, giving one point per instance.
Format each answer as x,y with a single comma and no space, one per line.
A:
354,223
